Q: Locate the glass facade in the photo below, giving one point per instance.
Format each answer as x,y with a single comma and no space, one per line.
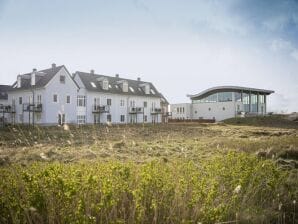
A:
216,97
252,102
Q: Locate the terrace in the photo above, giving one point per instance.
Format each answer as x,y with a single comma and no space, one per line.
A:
136,110
32,107
100,109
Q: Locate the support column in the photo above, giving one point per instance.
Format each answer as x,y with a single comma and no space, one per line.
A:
258,96
265,104
249,99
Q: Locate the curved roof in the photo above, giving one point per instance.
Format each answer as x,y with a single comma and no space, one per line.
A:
229,89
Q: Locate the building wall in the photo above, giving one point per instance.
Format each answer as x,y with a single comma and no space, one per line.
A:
27,97
51,109
218,111
116,110
181,111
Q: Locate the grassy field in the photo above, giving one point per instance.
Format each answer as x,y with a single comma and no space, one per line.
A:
244,169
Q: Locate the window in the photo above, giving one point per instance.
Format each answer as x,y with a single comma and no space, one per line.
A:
183,110
152,91
237,97
110,86
122,118
109,102
81,119
93,84
20,100
131,89
225,96
209,109
132,103
238,107
81,101
109,118
223,108
38,99
67,99
196,112
145,104
62,79
122,103
105,84
20,117
125,87
145,118
55,98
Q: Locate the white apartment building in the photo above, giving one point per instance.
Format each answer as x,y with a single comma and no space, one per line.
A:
223,102
6,109
54,96
44,97
115,99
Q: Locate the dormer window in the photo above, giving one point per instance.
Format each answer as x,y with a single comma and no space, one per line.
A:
62,79
125,87
152,91
131,89
147,89
93,84
105,84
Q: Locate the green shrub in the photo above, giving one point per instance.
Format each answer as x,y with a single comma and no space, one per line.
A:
155,192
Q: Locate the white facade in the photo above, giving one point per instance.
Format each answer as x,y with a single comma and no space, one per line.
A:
223,102
118,107
36,105
181,111
53,96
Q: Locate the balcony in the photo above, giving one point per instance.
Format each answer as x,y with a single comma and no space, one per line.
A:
100,109
30,107
156,110
7,108
168,114
136,110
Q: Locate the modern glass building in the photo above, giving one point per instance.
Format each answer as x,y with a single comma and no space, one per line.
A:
224,102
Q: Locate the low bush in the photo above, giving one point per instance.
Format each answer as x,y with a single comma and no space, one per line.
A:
216,189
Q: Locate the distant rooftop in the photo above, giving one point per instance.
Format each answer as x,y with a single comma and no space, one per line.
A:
90,81
229,89
3,91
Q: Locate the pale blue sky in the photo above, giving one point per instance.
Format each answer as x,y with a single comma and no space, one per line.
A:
183,47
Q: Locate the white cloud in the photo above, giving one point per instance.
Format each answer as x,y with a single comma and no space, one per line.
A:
276,23
294,54
281,45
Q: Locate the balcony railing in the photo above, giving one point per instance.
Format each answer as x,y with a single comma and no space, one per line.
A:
30,107
156,110
100,109
136,110
168,114
7,108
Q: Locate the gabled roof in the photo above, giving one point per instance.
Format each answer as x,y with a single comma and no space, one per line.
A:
89,78
3,91
229,89
43,77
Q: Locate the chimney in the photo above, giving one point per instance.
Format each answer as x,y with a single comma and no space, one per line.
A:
34,70
139,79
33,78
117,75
53,65
19,81
92,71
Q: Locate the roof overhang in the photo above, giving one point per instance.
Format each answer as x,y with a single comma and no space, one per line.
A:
216,89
